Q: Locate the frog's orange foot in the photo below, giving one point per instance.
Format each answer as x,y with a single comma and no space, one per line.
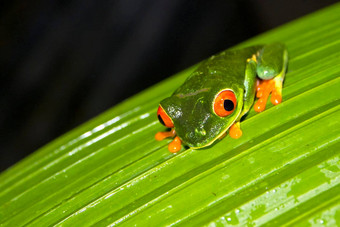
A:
162,135
235,131
175,145
264,89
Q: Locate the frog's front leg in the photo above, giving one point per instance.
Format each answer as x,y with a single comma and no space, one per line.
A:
175,145
271,68
248,96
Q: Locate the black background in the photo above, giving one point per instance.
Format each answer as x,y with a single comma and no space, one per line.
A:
64,62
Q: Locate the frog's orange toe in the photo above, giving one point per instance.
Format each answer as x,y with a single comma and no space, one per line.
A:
175,145
260,105
277,93
159,136
276,98
259,93
259,88
235,131
162,135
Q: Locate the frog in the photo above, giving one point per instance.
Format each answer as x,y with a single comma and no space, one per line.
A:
219,92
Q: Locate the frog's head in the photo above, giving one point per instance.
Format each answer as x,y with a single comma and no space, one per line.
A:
201,116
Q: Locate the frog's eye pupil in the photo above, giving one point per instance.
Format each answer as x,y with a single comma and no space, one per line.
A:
228,105
160,119
225,103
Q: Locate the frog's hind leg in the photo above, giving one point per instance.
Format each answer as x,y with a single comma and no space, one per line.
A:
173,146
264,89
271,68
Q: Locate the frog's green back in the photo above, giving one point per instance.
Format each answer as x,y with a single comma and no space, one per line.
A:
191,105
227,66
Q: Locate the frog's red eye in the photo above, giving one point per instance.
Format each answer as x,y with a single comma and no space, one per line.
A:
225,103
164,118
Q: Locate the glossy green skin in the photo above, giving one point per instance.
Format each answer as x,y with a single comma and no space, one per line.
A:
191,106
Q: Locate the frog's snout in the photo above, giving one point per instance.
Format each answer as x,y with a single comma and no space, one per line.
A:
200,132
194,136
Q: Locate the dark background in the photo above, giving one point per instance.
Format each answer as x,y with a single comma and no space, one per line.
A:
64,62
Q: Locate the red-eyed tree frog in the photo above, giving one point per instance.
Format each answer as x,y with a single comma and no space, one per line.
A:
219,92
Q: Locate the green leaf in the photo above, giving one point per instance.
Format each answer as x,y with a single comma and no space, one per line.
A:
284,170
